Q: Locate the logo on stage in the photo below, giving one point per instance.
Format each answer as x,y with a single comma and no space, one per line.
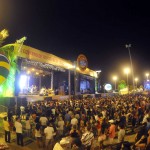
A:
82,62
4,68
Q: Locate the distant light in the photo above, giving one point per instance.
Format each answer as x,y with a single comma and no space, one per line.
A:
115,78
126,70
37,73
108,87
33,69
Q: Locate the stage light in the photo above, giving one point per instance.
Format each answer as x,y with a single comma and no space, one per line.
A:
33,69
37,73
23,81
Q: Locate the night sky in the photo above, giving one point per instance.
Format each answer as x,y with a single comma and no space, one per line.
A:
99,29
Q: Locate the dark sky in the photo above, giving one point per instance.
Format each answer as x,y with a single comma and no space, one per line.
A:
99,29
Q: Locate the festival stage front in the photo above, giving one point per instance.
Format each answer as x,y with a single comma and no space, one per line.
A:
34,98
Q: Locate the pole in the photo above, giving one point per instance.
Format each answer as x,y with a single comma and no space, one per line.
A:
52,79
75,78
69,84
128,47
127,83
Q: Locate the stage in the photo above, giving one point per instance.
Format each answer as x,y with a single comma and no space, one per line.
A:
35,98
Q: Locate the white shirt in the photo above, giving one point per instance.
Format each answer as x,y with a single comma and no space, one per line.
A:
38,133
49,132
18,126
43,121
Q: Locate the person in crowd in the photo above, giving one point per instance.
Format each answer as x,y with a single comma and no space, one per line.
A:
38,135
49,134
87,138
148,124
111,131
67,118
133,120
74,133
22,109
148,141
74,121
142,142
43,120
101,139
7,130
121,133
123,119
19,131
60,125
146,115
28,127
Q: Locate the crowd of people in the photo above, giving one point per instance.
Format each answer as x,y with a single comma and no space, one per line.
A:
77,123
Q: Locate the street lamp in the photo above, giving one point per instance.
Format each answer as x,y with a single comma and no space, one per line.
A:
126,71
115,79
128,46
147,75
136,80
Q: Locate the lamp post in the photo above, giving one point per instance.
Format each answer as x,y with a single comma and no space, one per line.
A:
147,75
128,46
115,79
136,80
126,71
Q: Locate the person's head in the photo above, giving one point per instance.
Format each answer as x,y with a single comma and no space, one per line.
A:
49,124
74,127
121,126
27,118
88,127
60,119
38,126
18,119
5,118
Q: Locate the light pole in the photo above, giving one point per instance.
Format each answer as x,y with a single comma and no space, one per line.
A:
147,75
136,80
115,79
128,46
126,71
